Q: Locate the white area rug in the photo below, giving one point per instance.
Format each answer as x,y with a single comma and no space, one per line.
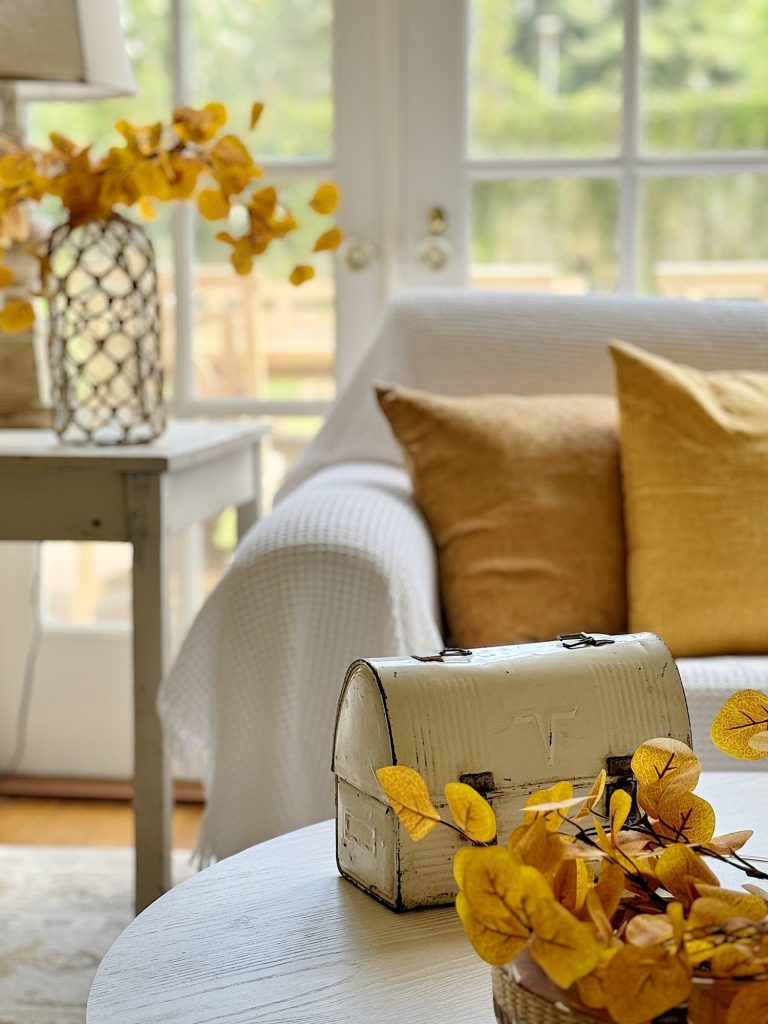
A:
61,908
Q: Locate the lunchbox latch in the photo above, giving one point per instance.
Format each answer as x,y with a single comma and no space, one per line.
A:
575,640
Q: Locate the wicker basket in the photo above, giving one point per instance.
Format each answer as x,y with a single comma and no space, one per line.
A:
522,994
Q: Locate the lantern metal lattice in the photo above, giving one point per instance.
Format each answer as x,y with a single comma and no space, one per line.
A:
104,341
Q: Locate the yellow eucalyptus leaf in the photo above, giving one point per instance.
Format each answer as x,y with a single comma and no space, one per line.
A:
709,1003
217,113
733,903
607,845
610,888
63,144
676,916
732,960
256,111
621,805
263,202
730,841
642,982
199,126
548,805
678,869
756,890
460,859
592,991
301,273
16,316
571,884
500,890
661,765
742,717
241,257
409,797
329,240
494,944
685,818
147,208
537,846
213,204
594,795
6,276
596,914
564,947
326,199
649,930
281,226
471,812
750,1005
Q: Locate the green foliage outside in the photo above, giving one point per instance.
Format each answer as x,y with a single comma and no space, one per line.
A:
705,87
545,80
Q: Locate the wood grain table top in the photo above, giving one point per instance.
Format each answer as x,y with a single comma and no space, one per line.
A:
184,443
275,935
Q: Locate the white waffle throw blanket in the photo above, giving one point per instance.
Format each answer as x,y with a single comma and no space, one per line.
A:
344,567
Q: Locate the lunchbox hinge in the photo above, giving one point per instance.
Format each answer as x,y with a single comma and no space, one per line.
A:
575,640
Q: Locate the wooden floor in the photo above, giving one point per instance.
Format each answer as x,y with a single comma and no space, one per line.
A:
42,821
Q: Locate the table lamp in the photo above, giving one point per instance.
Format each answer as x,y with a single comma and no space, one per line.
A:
49,50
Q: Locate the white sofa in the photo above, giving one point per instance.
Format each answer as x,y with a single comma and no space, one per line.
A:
344,566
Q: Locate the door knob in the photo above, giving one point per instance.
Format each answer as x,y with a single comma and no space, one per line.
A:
358,252
434,250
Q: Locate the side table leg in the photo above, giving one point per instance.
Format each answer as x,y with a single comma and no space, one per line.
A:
250,512
151,771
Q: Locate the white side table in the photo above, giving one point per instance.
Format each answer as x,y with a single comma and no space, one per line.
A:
140,494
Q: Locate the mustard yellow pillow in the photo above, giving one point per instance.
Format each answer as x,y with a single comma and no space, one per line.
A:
694,449
523,498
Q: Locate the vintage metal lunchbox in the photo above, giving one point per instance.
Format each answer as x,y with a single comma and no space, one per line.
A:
506,720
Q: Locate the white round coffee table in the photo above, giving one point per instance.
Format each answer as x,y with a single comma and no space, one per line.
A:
275,935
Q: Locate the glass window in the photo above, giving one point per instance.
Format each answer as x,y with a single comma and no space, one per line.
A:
259,336
276,51
706,237
545,77
705,75
555,235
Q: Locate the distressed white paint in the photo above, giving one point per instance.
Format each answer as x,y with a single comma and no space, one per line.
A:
139,494
528,715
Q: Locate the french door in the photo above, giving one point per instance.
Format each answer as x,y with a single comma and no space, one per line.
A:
619,145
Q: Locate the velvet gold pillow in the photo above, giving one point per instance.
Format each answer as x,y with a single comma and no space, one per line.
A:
523,498
695,471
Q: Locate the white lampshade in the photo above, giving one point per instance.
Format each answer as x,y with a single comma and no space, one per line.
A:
64,49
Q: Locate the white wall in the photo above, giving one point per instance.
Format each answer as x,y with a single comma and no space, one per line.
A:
80,724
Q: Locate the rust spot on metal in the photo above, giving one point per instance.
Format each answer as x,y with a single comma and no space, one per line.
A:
481,782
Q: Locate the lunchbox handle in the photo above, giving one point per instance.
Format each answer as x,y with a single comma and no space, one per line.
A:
573,641
447,652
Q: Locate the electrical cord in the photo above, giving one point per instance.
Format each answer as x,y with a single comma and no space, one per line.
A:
30,664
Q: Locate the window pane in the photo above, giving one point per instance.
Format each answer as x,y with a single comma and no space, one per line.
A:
259,336
544,78
278,52
556,235
705,75
706,237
